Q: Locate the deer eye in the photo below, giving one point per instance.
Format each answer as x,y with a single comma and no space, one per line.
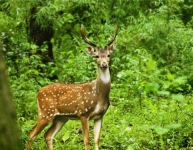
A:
97,56
108,55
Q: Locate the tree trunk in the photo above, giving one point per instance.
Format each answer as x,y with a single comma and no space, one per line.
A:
9,133
41,35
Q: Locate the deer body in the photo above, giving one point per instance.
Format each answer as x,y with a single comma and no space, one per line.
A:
58,99
58,103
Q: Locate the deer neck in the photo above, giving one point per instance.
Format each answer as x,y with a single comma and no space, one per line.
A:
103,82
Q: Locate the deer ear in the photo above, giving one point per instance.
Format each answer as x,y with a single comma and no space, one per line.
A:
111,48
91,51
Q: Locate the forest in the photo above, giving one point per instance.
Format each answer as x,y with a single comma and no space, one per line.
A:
151,67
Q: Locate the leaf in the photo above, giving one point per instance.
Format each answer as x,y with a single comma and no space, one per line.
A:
121,74
181,80
151,87
170,76
173,126
163,93
130,148
66,136
151,64
178,97
161,130
128,129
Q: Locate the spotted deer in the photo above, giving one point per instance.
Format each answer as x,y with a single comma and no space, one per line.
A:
58,103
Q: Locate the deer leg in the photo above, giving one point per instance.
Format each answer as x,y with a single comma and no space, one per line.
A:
40,125
51,132
97,130
85,130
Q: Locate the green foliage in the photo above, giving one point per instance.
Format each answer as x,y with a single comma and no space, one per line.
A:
151,68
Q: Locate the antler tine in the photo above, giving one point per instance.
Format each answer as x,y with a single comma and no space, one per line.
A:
84,36
114,36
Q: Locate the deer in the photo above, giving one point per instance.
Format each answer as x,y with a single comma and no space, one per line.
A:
59,102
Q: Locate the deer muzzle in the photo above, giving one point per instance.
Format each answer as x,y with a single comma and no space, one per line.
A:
104,65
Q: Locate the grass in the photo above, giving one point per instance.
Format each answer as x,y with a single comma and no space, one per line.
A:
158,124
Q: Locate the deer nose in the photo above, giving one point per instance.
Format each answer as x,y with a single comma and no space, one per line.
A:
104,65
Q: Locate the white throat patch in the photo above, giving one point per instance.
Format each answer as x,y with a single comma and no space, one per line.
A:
104,75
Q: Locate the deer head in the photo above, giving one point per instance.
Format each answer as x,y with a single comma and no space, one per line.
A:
102,54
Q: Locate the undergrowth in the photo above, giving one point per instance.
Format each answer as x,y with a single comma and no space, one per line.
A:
155,123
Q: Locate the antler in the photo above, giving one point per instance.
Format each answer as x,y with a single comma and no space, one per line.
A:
84,36
114,36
